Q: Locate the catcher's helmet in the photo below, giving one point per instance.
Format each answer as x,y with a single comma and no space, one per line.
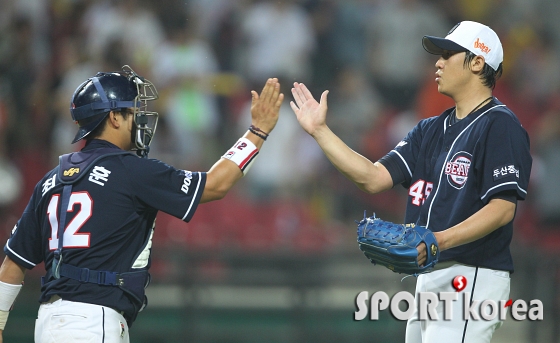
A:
95,98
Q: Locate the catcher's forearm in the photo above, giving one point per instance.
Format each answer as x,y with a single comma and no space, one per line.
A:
224,174
494,215
11,272
369,177
11,281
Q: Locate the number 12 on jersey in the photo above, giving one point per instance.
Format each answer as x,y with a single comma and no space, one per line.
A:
420,191
71,239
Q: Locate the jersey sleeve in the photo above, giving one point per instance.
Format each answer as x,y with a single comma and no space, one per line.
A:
393,167
25,245
165,188
404,156
506,161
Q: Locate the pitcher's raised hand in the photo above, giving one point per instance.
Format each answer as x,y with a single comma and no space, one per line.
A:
310,114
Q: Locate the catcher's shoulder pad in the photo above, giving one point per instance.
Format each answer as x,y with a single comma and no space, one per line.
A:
72,167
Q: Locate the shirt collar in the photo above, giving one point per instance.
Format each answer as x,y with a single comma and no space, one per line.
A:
98,143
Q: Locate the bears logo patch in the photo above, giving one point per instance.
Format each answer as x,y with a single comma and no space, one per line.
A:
457,170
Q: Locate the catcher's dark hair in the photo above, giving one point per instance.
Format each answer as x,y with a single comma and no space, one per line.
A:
98,131
489,76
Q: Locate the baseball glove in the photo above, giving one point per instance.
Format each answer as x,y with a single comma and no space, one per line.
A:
394,245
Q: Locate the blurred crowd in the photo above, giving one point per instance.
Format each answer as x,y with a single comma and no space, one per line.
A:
205,56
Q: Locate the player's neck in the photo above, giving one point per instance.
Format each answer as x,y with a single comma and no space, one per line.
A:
469,102
112,136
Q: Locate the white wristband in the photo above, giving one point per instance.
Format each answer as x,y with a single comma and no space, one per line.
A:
242,153
8,294
3,319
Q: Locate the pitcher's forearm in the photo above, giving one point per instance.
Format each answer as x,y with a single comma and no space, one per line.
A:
495,214
368,176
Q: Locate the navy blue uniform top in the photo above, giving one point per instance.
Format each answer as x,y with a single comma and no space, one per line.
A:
451,172
110,221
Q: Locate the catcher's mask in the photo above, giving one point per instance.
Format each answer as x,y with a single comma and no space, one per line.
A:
115,91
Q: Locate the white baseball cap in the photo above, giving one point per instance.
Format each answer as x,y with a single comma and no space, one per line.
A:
472,36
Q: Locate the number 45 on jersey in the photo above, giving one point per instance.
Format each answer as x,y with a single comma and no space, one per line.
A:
420,191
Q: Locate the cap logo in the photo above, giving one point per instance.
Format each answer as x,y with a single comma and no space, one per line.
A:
479,45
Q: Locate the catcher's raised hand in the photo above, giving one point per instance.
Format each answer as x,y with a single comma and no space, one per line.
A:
265,108
310,114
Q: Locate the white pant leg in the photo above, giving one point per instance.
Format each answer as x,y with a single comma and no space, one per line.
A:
489,285
495,285
414,325
68,321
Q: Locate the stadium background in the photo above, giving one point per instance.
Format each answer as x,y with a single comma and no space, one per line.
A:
276,260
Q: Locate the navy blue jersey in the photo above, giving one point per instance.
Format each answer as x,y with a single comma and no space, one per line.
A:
451,172
109,222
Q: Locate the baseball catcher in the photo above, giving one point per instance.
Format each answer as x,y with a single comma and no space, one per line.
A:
394,245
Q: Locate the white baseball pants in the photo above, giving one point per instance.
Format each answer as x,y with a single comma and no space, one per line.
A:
482,284
62,321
